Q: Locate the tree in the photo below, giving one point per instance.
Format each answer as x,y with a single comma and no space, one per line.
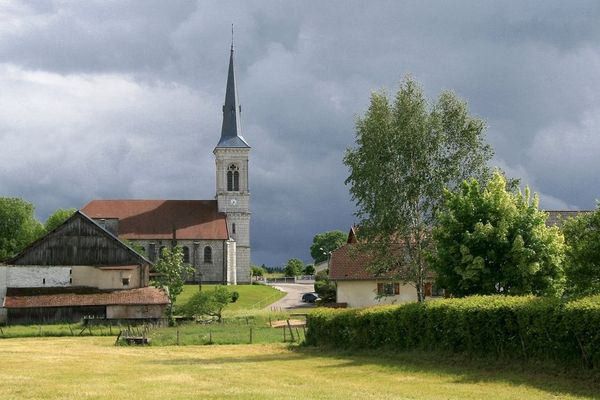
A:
582,263
309,269
257,271
208,302
406,154
58,217
493,241
18,226
170,270
294,267
326,242
324,287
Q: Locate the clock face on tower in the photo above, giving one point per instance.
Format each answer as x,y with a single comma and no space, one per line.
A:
233,202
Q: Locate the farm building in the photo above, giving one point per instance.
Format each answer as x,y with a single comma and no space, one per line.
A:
78,269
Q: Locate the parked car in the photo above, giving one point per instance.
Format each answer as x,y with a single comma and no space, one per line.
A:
310,297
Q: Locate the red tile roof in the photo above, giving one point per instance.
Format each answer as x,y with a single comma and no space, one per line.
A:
141,296
155,219
346,264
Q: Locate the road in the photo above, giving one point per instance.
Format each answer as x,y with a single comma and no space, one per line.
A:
293,298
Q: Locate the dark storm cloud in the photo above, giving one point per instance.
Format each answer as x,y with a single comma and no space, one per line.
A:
118,99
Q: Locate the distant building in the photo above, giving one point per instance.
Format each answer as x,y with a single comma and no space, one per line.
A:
214,234
78,269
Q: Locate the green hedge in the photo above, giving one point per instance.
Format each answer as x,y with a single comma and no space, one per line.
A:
497,326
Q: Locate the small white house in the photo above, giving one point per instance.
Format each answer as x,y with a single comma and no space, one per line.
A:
357,287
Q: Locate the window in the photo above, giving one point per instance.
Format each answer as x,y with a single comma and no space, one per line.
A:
236,181
125,281
388,289
233,228
233,178
186,254
152,251
208,255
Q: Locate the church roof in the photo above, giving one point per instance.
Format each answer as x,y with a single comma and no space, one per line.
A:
158,219
231,130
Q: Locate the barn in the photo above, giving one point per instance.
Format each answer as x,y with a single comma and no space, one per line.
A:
78,270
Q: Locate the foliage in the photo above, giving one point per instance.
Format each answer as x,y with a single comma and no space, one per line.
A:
18,226
582,264
235,296
257,271
137,247
326,242
326,289
309,269
488,326
208,302
170,270
406,154
58,217
294,267
489,240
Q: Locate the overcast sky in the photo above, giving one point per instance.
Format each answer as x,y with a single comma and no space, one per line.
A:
122,99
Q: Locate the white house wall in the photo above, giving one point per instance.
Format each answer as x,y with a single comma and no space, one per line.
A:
28,276
363,294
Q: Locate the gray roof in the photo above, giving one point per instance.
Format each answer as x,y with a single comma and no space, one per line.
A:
231,131
558,217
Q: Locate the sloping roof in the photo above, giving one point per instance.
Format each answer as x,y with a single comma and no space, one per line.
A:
156,219
78,241
141,296
231,130
558,217
346,264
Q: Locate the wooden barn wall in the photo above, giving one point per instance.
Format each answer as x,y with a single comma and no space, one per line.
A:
52,315
79,242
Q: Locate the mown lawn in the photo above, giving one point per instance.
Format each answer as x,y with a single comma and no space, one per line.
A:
252,297
92,368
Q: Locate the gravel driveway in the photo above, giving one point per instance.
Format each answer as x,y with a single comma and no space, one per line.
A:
293,298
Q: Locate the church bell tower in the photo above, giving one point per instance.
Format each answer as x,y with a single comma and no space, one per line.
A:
233,194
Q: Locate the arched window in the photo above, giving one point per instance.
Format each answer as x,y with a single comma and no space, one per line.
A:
233,228
186,254
208,255
233,178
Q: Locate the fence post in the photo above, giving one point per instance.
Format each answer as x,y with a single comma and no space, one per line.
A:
178,336
250,335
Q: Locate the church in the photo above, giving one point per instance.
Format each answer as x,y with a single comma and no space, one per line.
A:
214,234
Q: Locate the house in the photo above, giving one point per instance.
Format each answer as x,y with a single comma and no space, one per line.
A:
357,287
78,269
214,234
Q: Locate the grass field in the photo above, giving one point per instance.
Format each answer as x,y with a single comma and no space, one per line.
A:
252,297
91,368
236,328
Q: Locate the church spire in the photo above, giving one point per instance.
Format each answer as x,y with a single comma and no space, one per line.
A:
231,131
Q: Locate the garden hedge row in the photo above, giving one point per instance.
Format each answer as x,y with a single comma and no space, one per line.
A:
499,326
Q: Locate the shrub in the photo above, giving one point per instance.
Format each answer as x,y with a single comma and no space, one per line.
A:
524,327
234,296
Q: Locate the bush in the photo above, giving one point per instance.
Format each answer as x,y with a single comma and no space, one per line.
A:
326,290
499,326
234,296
